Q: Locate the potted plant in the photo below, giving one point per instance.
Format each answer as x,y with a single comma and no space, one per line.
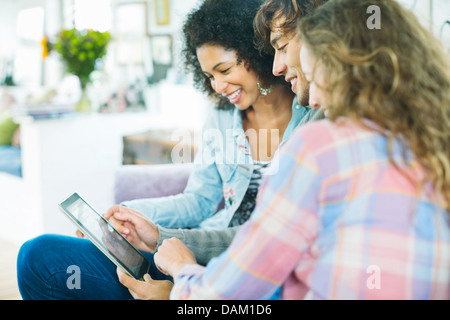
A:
80,51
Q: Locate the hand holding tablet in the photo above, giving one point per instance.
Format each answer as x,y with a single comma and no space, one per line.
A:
107,238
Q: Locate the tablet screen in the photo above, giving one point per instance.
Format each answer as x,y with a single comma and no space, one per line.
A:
104,234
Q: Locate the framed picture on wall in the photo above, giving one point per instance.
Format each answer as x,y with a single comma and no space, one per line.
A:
131,19
162,11
131,29
162,50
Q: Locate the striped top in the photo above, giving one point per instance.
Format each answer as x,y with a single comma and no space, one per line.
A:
337,221
248,203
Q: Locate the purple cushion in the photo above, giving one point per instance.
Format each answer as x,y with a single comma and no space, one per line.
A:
150,181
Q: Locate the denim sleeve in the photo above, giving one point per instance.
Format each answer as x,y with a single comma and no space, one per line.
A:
201,198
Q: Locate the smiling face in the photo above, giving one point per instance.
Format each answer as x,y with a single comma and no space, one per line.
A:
286,60
315,75
228,78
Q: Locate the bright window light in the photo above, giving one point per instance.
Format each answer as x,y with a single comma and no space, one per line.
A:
94,15
30,24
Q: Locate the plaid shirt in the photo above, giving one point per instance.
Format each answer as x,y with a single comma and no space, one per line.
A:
338,221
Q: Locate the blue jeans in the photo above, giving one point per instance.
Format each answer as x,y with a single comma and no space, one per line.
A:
44,266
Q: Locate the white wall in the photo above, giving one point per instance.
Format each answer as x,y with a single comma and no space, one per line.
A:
9,10
440,14
180,8
433,14
8,19
178,12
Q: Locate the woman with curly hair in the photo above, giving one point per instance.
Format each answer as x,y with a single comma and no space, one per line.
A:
360,208
256,113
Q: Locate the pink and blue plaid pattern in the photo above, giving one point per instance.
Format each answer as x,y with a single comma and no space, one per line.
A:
338,221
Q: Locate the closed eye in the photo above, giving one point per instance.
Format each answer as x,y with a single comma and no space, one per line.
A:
283,48
225,71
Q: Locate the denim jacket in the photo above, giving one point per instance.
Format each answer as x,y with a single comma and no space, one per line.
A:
222,170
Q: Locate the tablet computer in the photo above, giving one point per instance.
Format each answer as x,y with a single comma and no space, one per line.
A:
103,234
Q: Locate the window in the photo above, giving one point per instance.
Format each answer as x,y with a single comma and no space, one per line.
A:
87,14
28,61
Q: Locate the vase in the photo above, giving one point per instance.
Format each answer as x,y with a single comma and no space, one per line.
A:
84,104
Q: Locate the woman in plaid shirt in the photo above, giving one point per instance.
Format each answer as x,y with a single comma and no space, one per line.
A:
359,208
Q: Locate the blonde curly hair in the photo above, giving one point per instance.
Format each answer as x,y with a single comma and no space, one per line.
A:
397,76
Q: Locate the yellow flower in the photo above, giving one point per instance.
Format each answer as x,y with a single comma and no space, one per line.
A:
44,44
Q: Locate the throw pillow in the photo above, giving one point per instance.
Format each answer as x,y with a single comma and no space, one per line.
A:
7,128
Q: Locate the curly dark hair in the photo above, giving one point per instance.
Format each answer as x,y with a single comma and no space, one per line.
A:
229,24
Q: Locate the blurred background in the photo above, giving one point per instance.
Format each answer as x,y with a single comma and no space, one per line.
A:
89,86
86,86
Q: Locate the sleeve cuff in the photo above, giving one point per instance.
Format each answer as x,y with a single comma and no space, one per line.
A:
191,269
167,233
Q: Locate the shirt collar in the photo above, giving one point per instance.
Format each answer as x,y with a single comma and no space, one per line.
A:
298,112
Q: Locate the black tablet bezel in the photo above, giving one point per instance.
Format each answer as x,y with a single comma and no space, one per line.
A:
64,205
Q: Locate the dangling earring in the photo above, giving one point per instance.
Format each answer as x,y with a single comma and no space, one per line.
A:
264,91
